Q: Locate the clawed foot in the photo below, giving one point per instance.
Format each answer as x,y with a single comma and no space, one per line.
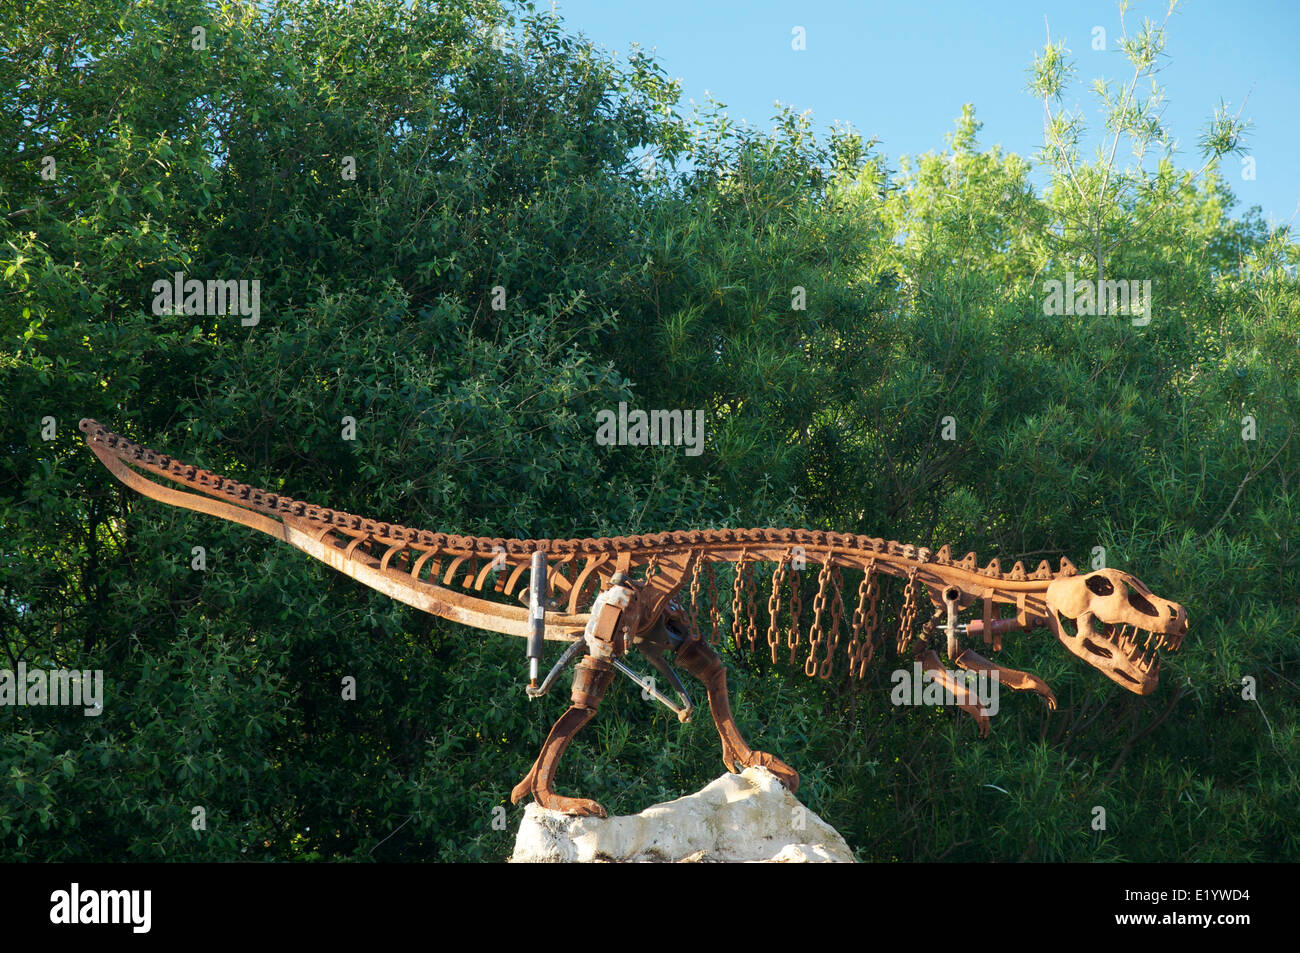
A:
1010,677
576,806
784,773
1025,682
524,788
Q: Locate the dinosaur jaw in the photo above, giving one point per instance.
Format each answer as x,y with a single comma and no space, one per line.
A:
1115,624
1126,654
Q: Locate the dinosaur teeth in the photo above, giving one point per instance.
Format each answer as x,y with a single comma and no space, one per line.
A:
1139,655
1153,644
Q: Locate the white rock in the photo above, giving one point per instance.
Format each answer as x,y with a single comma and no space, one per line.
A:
738,818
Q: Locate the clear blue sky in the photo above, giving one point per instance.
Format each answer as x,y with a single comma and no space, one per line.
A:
901,71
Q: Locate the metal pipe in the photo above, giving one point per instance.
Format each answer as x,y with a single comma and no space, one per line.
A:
536,615
647,685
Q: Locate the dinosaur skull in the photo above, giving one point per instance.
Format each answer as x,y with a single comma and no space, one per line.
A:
1115,624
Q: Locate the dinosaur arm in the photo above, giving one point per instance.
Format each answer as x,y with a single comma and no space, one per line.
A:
1011,677
964,698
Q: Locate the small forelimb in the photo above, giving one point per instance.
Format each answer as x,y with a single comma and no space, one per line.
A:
1013,678
929,660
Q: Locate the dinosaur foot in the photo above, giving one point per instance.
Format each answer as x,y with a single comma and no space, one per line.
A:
576,806
784,773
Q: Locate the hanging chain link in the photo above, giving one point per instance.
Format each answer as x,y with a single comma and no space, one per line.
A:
774,606
715,613
816,634
737,595
796,607
695,595
751,608
837,620
864,622
908,616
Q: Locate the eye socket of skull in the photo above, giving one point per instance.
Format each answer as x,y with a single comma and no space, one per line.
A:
1099,585
1140,603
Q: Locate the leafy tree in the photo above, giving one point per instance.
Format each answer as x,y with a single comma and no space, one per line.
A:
472,231
1101,205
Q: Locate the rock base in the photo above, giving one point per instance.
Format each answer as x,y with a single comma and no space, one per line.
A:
739,818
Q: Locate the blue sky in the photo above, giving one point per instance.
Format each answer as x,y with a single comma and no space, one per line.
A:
901,71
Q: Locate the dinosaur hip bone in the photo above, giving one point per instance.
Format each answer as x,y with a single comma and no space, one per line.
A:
613,619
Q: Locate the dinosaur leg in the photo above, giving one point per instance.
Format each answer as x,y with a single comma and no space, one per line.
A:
590,679
702,662
929,660
1010,677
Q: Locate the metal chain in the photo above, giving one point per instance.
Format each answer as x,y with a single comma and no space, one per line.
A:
751,621
908,616
865,621
774,607
737,592
796,607
837,620
715,614
695,595
815,634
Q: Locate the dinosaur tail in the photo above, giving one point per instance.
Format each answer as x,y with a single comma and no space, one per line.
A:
406,564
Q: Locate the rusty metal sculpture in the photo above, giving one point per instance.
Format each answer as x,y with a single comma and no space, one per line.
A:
656,592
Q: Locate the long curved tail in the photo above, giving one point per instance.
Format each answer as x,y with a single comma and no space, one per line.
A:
412,566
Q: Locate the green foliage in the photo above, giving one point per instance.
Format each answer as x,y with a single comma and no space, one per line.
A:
493,149
1100,205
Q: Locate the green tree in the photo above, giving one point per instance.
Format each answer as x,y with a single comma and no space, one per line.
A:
472,231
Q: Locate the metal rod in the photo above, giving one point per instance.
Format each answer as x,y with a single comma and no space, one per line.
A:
648,686
536,615
571,653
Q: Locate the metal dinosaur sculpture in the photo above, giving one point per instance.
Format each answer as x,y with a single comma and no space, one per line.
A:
655,592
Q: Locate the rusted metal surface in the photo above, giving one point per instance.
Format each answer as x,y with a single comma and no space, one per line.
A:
1107,618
